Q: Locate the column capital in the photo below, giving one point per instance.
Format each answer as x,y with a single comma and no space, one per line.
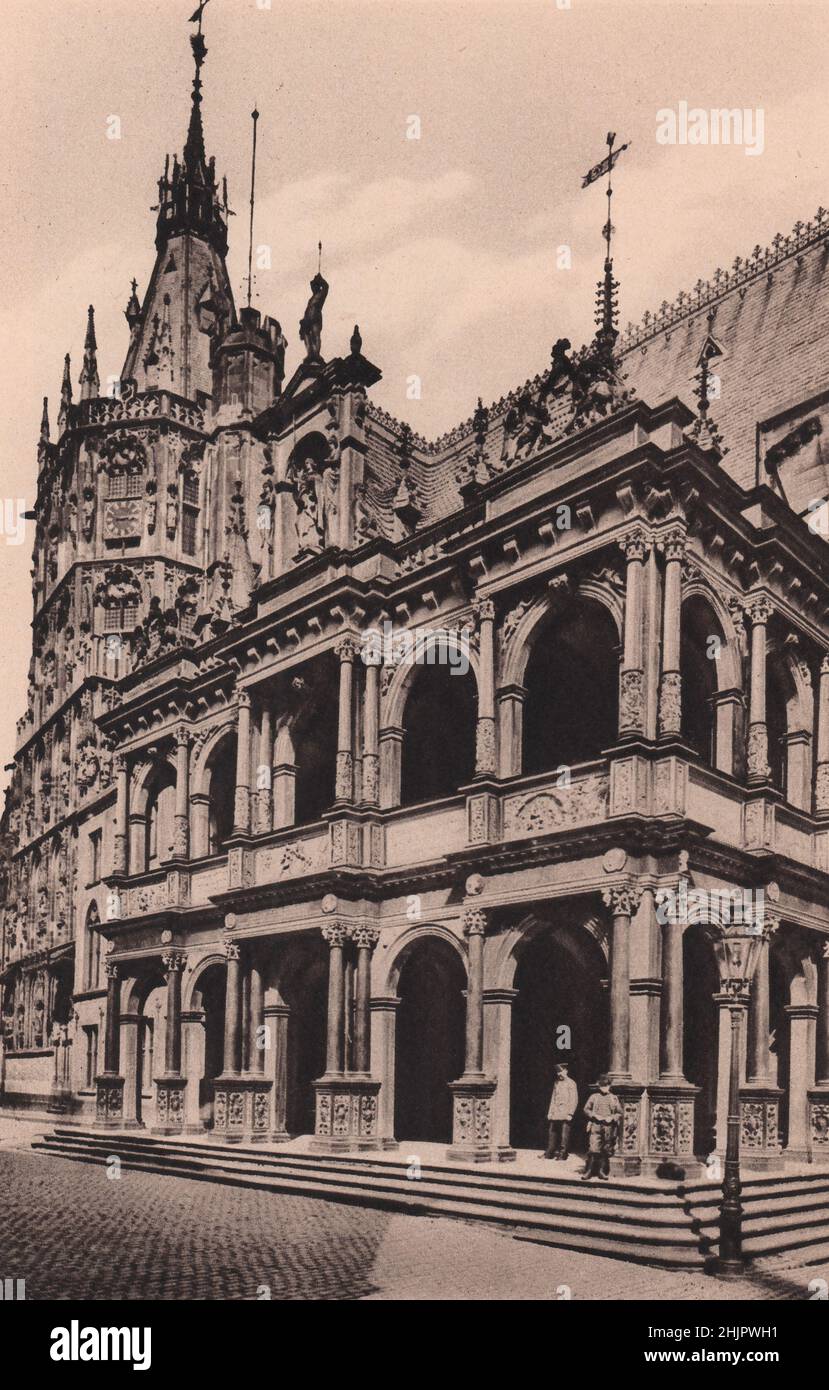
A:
824,665
182,736
636,544
484,610
113,969
119,763
243,698
335,933
623,899
364,936
758,609
474,922
231,948
671,543
348,648
174,961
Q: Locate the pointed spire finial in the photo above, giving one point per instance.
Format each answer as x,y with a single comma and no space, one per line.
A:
132,313
44,422
65,394
90,382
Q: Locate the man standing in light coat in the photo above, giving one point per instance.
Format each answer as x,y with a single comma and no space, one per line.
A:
563,1104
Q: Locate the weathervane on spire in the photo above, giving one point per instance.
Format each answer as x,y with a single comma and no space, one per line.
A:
606,307
197,39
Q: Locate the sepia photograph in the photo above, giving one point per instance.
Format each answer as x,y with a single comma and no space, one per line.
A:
414,851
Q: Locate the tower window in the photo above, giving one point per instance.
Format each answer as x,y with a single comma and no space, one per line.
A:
189,523
121,617
125,484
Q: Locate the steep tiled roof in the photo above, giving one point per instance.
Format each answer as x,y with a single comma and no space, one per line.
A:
769,315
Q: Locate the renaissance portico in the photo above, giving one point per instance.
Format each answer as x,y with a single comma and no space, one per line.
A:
265,877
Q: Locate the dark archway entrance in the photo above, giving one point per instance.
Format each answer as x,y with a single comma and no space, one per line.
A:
429,1048
559,982
439,739
701,1033
212,987
305,991
571,709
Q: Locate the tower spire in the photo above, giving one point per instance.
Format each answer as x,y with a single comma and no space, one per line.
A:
44,422
65,395
90,382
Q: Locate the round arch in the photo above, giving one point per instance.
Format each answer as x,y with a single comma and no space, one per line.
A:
430,978
393,703
387,970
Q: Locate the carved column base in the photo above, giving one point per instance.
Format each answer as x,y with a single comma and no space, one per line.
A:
822,790
472,1127
760,1127
670,1133
631,1141
241,1109
109,1101
631,702
169,1105
346,1118
819,1123
670,705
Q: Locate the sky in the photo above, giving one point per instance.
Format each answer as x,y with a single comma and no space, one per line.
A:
446,248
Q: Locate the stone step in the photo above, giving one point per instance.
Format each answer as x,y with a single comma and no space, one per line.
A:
648,1202
594,1231
584,1202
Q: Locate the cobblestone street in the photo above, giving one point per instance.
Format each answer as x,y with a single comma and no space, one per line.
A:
73,1232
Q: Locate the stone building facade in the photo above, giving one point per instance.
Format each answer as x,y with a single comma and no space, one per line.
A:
268,871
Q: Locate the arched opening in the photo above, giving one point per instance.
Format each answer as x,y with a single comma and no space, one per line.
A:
439,723
701,982
305,991
779,997
560,1014
222,794
161,806
697,661
211,994
315,739
571,709
429,1051
778,686
149,1042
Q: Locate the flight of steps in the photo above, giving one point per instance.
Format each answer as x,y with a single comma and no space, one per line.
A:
785,1216
643,1222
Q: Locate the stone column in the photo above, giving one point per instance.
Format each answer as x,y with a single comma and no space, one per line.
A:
256,1019
802,1028
109,1109
474,926
193,1043
264,770
335,935
670,685
728,710
181,830
819,1095
485,763
472,1093
671,1066
112,1037
347,651
170,1088
391,758
276,1020
365,939
200,813
822,773
497,1059
759,611
232,1065
119,858
636,546
760,1097
241,805
758,1057
623,901
371,735
510,744
383,1038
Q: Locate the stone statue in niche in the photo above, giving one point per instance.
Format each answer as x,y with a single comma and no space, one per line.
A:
172,510
88,513
310,530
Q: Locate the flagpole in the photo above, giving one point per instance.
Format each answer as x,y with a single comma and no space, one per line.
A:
254,117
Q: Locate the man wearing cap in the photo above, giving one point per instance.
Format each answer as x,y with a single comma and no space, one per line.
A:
563,1104
604,1114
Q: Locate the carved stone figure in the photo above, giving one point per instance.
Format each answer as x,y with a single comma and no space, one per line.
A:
310,325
